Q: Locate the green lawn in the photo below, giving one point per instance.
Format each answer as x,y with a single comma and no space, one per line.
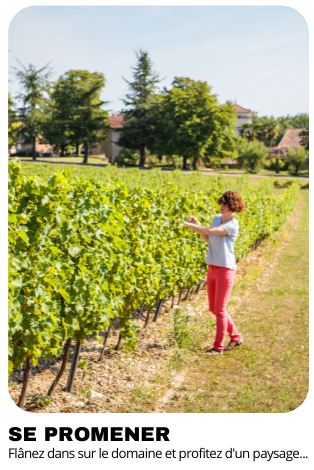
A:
263,172
97,160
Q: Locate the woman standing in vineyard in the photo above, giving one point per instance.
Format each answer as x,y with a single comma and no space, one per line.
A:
221,262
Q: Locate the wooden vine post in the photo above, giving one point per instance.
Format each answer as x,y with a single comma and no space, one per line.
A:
66,351
198,288
141,312
73,368
101,357
118,343
147,317
158,309
27,373
187,294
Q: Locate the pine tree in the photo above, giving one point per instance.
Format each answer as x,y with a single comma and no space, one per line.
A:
76,114
139,103
34,102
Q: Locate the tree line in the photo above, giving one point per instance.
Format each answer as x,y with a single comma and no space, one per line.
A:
185,121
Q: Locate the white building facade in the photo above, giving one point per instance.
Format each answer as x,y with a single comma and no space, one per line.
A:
244,116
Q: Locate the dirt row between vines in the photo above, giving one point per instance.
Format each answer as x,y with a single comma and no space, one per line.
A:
156,376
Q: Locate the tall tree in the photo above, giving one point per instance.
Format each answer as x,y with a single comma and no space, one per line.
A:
271,129
254,131
35,84
77,116
192,124
296,157
252,153
13,123
305,138
299,121
139,101
247,131
62,114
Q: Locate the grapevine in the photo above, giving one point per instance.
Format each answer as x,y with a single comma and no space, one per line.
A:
83,251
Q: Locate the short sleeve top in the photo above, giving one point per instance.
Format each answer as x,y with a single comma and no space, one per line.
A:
221,247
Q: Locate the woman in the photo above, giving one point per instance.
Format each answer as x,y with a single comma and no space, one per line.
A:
222,267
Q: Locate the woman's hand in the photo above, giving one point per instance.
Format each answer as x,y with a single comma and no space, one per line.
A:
193,220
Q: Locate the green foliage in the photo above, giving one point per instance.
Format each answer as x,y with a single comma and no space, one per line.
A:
270,130
283,184
82,364
76,114
252,153
13,123
39,401
185,336
138,116
305,138
128,329
263,130
254,131
83,251
296,159
32,114
299,121
191,123
128,157
133,177
271,164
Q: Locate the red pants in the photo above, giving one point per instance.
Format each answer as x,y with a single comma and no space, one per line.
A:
219,284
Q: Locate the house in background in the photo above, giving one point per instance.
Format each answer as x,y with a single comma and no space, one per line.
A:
244,116
20,146
291,139
109,147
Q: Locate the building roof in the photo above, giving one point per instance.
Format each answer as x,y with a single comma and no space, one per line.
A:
290,139
241,110
276,152
116,122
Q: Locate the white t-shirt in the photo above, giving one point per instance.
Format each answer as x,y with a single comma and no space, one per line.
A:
220,247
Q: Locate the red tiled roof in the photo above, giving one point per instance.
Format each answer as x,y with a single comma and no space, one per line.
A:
240,109
290,139
116,122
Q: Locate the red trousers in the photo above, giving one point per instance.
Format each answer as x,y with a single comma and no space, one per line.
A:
219,284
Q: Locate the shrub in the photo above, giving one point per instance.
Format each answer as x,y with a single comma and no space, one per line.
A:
296,158
185,337
253,154
174,161
282,184
128,157
153,160
271,165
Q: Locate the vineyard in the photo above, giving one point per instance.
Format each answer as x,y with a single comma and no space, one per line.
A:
87,252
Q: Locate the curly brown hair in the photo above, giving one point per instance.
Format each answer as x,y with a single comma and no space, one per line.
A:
233,200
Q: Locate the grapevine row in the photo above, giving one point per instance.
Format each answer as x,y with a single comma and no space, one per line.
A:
83,252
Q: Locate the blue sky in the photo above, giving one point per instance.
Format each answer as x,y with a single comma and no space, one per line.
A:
256,55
